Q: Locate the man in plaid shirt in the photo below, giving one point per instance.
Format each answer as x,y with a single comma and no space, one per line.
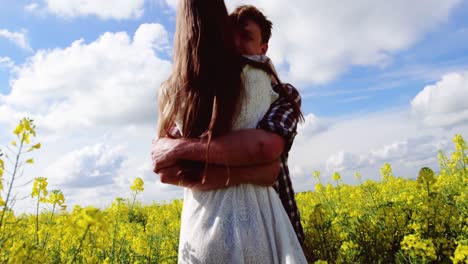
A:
258,148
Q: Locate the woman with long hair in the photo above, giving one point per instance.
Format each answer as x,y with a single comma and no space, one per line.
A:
211,92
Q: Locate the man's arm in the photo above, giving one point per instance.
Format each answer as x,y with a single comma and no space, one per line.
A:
217,177
238,148
282,118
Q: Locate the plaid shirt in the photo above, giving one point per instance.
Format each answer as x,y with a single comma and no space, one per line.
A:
281,119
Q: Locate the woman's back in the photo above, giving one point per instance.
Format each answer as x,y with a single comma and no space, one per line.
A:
256,98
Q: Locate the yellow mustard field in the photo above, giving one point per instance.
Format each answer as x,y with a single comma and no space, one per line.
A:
393,220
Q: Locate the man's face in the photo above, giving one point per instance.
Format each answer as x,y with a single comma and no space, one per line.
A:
248,39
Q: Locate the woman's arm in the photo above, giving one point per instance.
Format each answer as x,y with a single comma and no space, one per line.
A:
218,177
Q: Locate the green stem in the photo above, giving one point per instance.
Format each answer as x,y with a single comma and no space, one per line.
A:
11,183
81,243
115,234
133,203
50,220
37,218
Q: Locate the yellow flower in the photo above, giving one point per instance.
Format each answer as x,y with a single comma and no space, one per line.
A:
336,176
386,171
2,169
459,142
461,254
318,187
25,129
416,247
317,174
137,185
56,197
19,129
91,215
84,218
40,186
348,245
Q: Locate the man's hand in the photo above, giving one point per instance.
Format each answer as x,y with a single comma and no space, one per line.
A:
189,174
165,153
180,176
171,175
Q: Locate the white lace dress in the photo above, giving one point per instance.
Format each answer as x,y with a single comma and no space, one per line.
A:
244,223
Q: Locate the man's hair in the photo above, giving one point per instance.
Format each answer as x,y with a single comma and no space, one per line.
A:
248,12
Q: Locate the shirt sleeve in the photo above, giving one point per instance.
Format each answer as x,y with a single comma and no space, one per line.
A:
281,117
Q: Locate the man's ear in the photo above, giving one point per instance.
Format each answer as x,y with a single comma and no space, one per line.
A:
264,48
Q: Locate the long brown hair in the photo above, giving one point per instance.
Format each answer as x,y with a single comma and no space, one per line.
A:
206,74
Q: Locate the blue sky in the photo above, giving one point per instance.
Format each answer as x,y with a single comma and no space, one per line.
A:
380,82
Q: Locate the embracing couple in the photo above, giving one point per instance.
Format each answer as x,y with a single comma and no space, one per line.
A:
226,124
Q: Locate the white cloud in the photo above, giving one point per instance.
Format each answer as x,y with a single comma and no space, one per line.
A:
341,161
172,3
312,125
86,175
102,196
98,196
19,38
10,115
388,152
444,103
117,9
31,7
152,36
90,166
112,81
6,62
422,149
354,99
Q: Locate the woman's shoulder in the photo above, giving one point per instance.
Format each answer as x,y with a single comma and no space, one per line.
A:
252,73
257,83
